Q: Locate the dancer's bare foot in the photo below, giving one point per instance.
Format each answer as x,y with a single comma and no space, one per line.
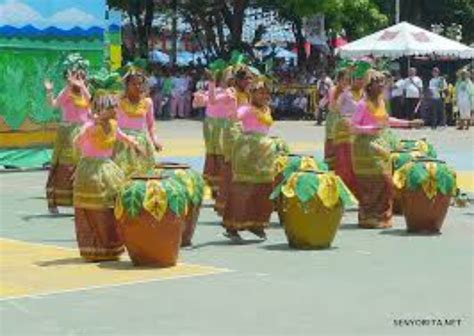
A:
233,236
260,233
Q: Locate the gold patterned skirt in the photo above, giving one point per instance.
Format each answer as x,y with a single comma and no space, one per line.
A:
63,164
129,160
248,205
213,130
372,168
96,185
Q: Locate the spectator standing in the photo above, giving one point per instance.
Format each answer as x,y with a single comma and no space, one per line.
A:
154,87
396,95
464,99
449,105
437,88
413,88
324,85
179,99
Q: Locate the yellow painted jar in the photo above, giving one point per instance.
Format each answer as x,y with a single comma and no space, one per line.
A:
312,205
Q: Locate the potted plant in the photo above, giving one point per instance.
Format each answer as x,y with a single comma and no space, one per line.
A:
150,211
193,184
312,207
427,186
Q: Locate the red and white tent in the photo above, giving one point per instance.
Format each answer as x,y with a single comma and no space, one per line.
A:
405,39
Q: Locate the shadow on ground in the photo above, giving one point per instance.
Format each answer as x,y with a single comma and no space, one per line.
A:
405,233
225,242
286,247
46,215
61,262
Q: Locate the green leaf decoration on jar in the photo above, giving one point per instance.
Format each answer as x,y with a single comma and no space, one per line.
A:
431,175
153,194
132,198
421,145
288,164
307,185
401,157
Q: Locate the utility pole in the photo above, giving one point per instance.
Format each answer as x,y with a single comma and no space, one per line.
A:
397,11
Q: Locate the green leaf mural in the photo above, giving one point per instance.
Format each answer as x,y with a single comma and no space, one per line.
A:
22,72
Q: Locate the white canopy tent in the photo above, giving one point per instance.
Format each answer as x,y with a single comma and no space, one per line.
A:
405,39
281,53
158,56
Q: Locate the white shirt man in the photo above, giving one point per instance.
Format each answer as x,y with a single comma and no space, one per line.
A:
397,88
413,86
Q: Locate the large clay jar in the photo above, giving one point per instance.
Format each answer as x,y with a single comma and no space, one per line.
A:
193,184
427,186
150,211
287,164
312,207
398,158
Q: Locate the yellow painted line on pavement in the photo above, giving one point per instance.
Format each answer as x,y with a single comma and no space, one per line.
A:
465,180
30,269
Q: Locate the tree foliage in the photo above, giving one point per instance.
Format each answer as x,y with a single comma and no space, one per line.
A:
218,24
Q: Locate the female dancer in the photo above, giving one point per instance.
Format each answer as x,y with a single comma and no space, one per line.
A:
371,159
135,117
241,80
221,104
333,116
346,107
248,206
73,101
98,179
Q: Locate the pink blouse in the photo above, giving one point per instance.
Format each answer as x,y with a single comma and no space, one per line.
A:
70,112
363,122
86,145
250,123
346,104
220,103
136,123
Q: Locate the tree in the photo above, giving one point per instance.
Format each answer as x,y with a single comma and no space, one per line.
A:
140,14
358,17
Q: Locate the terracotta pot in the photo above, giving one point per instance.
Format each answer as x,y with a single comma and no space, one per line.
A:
310,227
423,215
190,222
150,242
192,216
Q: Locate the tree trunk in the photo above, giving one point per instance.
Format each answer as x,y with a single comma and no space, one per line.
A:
234,20
300,40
